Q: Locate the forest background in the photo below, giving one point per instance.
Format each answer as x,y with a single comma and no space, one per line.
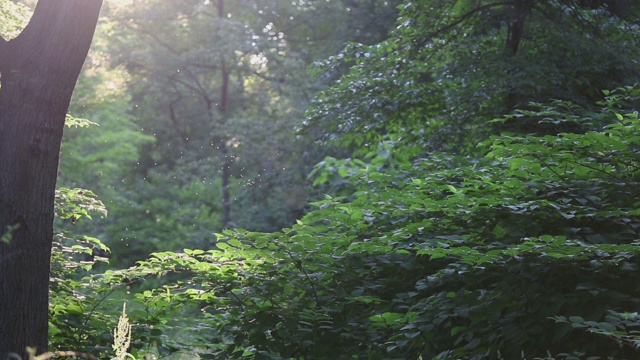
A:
352,179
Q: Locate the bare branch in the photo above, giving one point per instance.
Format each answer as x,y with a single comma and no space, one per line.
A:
280,79
189,86
174,119
155,37
466,16
461,19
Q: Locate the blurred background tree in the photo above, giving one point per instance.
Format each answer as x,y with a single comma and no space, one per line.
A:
196,104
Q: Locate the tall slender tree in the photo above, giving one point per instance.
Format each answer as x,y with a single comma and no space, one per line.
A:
38,69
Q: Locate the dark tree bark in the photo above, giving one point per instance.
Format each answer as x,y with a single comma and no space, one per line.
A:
521,10
38,72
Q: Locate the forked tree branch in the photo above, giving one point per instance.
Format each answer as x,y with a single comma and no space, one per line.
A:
444,29
466,16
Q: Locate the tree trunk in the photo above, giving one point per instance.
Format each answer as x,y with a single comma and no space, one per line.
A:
224,149
226,156
38,72
521,10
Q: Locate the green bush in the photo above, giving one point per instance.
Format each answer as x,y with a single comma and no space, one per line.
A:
516,253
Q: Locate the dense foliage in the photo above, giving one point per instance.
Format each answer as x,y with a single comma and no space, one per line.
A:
446,71
462,185
520,251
